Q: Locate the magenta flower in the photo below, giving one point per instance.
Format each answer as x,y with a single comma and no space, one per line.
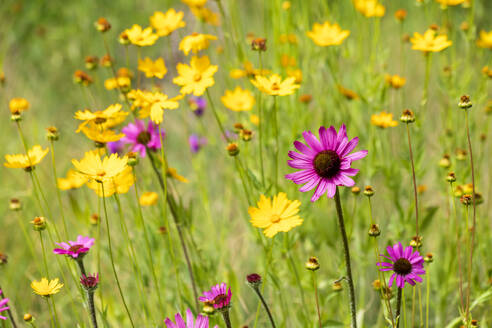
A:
3,306
75,248
140,137
197,105
406,264
324,163
116,147
196,143
219,296
90,282
201,321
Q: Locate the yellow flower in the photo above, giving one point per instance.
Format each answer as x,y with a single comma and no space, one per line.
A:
94,133
370,8
429,42
195,3
195,42
206,15
238,100
148,198
274,85
296,74
141,37
100,170
107,118
165,23
485,40
73,180
445,3
276,216
173,173
255,119
152,69
26,162
347,93
327,34
196,77
383,120
121,82
120,183
248,71
395,81
46,288
18,105
153,104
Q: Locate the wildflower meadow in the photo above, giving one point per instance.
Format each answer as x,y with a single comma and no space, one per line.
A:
246,163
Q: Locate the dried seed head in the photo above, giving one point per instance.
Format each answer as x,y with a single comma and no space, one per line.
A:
312,264
81,77
407,116
465,102
368,191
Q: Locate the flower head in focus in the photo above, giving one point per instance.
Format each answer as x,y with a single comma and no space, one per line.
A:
196,77
107,118
142,137
166,23
429,41
27,162
141,37
75,249
99,169
46,288
219,296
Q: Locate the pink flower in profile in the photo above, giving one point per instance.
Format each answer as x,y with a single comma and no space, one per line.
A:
4,307
141,137
90,282
201,321
324,163
219,296
77,248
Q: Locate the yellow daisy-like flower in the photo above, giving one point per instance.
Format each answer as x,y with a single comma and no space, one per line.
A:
27,162
18,105
107,118
276,216
395,81
429,42
173,173
196,77
141,37
148,198
74,180
370,8
485,40
121,82
327,34
153,104
383,120
166,23
46,288
195,42
151,68
238,100
94,133
100,170
120,184
274,85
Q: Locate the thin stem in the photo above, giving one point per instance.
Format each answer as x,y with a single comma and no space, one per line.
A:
115,273
80,262
57,320
458,250
275,131
425,93
415,194
44,255
267,309
58,195
221,127
398,306
92,309
260,125
315,286
227,319
265,276
346,250
427,297
52,316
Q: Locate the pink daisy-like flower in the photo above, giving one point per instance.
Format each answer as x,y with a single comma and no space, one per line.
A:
406,264
219,296
141,137
77,248
3,306
201,321
324,163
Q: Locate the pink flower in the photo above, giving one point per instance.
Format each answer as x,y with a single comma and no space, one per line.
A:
4,307
201,321
75,248
90,282
140,137
219,296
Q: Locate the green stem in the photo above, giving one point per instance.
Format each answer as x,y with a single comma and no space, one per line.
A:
398,306
265,276
425,93
275,131
44,255
57,320
221,127
315,286
227,319
92,310
58,195
427,297
267,309
415,194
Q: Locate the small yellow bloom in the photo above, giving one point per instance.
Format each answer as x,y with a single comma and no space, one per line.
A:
173,173
100,170
74,180
445,3
206,15
276,216
46,288
286,5
196,77
26,162
107,118
141,37
195,3
238,100
94,133
347,93
18,105
151,68
148,198
429,42
120,183
485,40
121,82
395,81
195,43
153,104
383,120
286,60
327,34
248,71
370,8
255,119
274,85
165,23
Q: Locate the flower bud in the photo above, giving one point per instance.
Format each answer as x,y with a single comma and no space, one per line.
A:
368,191
466,199
15,204
232,149
451,177
90,282
106,60
258,44
123,38
445,161
39,223
28,317
355,190
94,219
401,14
102,25
162,230
374,230
132,158
3,259
336,286
238,127
461,154
474,323
52,133
305,98
416,242
246,134
376,284
208,309
407,116
465,102
429,258
91,62
312,264
254,280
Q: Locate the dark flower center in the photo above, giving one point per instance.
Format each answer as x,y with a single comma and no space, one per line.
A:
144,138
219,299
402,266
327,163
75,248
100,120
